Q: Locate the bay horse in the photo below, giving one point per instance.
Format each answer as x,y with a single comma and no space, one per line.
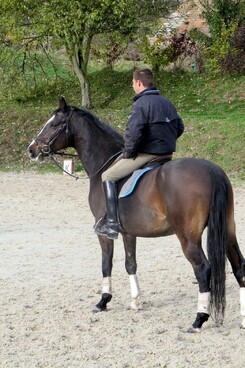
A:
182,197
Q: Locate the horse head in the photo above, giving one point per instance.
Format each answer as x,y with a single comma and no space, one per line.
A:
54,136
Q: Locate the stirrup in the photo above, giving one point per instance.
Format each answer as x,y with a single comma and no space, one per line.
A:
106,230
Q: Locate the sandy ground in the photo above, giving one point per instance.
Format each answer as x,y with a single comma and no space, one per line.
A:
50,278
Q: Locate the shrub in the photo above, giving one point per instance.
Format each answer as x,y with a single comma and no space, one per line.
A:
155,51
234,60
165,49
217,51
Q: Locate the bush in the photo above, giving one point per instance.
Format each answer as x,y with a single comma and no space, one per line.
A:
234,60
217,51
155,51
165,49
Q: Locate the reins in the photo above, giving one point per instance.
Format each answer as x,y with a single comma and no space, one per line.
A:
51,157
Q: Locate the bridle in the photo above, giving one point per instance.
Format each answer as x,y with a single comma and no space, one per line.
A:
46,148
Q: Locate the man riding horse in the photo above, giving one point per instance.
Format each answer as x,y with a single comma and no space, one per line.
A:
182,197
152,129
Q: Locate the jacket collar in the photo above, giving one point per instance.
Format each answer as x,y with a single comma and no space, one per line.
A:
147,91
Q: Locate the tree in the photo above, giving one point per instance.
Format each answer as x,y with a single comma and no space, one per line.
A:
234,60
222,13
73,25
224,18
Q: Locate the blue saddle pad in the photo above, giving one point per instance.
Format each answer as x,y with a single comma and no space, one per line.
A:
131,183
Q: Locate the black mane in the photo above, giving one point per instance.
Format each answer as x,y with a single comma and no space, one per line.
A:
104,127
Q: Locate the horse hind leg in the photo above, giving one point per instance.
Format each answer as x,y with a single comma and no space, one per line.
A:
202,270
237,262
242,303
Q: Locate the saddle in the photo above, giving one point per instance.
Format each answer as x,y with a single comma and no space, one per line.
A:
159,160
129,186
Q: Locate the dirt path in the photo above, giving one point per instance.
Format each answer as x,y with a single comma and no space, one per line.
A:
50,276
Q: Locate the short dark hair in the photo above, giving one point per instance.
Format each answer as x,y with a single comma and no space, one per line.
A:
145,76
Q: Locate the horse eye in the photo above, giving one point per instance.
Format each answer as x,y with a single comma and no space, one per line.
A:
55,123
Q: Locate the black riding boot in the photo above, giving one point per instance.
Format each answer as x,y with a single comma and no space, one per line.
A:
110,228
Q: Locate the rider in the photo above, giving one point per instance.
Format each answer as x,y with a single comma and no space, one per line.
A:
152,130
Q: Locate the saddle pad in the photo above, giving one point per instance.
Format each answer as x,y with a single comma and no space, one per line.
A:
131,183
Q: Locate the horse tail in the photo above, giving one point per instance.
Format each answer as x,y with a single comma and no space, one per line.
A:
217,242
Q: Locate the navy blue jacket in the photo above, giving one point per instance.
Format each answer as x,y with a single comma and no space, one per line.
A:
153,125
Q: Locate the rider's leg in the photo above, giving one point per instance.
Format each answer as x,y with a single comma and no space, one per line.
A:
126,166
117,171
110,228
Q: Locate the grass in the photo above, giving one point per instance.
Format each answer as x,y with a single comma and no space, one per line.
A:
213,111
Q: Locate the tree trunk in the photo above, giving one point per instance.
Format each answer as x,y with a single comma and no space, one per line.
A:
84,83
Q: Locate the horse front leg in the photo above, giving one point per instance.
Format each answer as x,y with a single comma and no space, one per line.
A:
131,268
107,247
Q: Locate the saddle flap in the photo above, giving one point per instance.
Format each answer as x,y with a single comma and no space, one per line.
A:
129,186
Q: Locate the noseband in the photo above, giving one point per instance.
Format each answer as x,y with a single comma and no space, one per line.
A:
46,149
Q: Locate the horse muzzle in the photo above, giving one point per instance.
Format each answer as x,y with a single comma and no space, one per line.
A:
35,153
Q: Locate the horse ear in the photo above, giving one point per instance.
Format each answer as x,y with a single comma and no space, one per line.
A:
62,104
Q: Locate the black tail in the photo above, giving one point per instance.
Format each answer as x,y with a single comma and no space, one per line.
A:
217,242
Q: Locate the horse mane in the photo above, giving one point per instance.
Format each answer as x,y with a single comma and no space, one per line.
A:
101,125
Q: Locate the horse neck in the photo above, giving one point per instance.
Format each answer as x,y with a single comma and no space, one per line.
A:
94,147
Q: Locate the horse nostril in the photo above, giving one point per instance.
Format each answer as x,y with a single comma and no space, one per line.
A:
30,152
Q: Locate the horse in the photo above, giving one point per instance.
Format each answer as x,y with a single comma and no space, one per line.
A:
181,197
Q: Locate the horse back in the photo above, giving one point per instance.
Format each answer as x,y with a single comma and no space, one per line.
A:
177,194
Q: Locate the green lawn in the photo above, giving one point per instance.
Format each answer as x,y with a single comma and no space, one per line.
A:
213,111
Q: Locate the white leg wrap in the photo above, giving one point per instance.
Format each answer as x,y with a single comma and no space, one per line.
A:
106,285
203,303
134,285
242,303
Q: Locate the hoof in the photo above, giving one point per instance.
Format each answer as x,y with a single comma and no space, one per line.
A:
97,309
193,330
197,325
136,305
102,305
